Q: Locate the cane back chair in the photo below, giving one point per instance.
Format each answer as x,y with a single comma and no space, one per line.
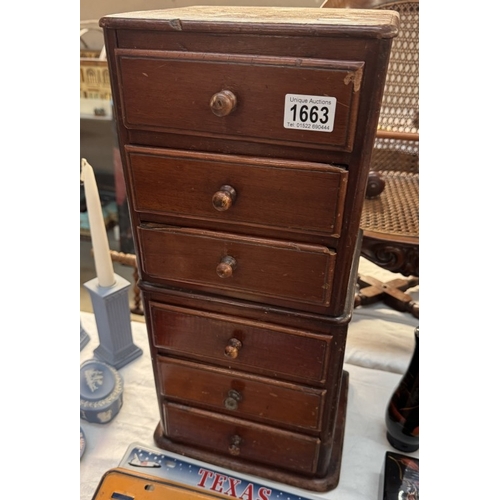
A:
390,218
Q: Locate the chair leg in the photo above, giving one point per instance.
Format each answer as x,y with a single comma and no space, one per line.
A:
137,309
392,293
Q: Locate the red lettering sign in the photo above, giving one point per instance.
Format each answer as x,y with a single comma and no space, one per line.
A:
232,487
218,482
204,475
248,493
264,493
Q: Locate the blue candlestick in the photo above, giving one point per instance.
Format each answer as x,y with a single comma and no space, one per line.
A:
112,315
84,337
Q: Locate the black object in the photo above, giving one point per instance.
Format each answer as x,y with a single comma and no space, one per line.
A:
400,478
402,415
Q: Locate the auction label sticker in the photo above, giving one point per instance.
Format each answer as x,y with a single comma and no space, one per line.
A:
309,112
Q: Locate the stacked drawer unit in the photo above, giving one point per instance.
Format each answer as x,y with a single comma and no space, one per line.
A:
245,135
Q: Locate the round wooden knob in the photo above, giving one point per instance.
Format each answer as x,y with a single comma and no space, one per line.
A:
376,184
232,348
232,400
226,267
223,103
234,446
224,198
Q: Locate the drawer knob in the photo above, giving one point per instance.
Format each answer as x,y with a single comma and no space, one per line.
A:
233,348
234,447
232,400
224,198
226,267
223,103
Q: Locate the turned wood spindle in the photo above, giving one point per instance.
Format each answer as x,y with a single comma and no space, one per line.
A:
375,185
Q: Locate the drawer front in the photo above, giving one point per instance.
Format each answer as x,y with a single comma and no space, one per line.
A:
244,191
241,395
242,344
225,264
173,92
241,439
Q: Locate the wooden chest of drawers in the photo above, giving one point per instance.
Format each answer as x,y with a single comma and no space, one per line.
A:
245,135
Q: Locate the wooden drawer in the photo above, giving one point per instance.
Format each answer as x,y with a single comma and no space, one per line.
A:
227,264
241,395
240,343
241,439
237,190
172,92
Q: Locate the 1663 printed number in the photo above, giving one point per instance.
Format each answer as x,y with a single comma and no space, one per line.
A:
314,113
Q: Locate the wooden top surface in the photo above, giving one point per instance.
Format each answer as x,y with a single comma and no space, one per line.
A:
379,23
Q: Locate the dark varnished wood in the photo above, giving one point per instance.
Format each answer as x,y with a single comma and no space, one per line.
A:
247,232
347,42
263,193
376,184
238,146
171,331
242,395
257,346
256,269
392,293
396,253
153,100
258,443
330,455
331,434
267,313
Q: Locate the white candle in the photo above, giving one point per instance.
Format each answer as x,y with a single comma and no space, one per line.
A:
100,244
